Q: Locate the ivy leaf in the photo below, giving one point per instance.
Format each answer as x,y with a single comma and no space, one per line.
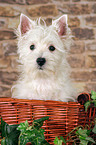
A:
9,133
94,101
39,122
23,126
36,137
3,141
39,137
89,131
83,142
83,136
87,104
93,95
33,134
94,129
62,138
57,141
82,132
90,139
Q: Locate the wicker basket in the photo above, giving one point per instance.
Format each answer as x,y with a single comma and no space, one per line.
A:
63,117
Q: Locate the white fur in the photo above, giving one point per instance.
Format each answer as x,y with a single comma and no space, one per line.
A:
53,82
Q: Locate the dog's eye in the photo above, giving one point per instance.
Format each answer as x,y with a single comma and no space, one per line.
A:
32,47
51,48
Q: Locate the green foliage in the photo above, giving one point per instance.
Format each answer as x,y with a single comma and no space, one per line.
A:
94,128
33,134
93,93
39,122
83,136
58,141
64,140
88,103
9,134
78,134
23,133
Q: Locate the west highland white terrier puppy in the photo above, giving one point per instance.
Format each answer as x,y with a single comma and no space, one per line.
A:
42,54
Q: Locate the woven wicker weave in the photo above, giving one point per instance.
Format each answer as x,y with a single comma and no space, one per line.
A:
63,117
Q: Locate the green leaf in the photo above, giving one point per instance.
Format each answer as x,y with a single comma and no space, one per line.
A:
83,136
39,122
34,136
89,131
3,142
23,126
82,132
39,137
94,101
87,104
57,141
94,129
62,138
10,133
90,139
26,123
86,140
7,129
4,127
83,142
93,95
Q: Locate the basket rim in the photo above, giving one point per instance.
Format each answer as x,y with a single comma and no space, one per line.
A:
39,102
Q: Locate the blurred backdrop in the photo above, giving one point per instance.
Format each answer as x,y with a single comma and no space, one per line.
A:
82,21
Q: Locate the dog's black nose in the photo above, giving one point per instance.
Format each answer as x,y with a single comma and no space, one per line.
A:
41,61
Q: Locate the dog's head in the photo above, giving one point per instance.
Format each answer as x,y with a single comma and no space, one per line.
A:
41,48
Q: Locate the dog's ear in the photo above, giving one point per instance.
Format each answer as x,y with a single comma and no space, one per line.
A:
61,25
25,24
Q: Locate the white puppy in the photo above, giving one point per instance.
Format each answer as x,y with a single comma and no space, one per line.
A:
42,54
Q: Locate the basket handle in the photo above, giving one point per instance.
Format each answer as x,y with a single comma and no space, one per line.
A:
83,98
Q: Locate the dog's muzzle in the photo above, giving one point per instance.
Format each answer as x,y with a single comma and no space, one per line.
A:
41,61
